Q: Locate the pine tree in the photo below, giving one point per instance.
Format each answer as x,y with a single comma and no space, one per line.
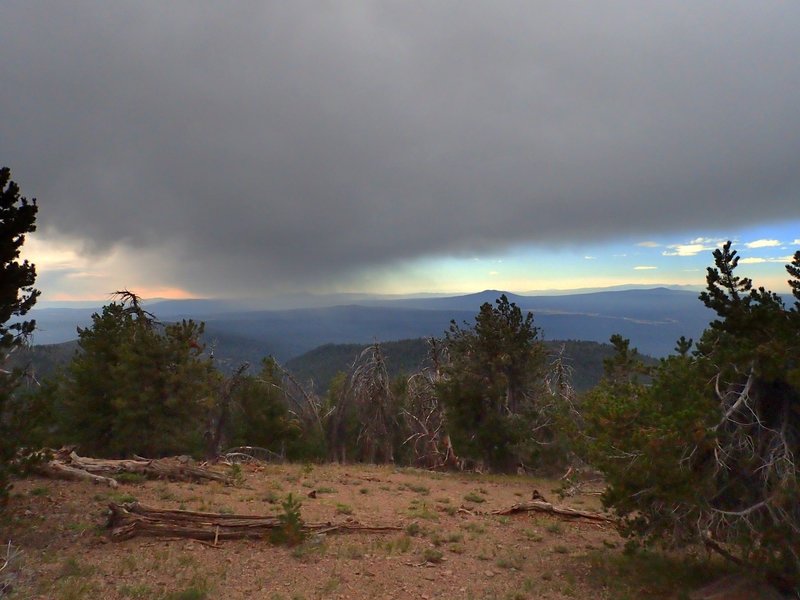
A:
17,297
490,386
136,386
707,452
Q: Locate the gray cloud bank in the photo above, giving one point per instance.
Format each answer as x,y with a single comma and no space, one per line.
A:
264,144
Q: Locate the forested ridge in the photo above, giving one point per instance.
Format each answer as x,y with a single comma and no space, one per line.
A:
407,356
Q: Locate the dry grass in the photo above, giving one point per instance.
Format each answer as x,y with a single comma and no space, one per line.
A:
443,553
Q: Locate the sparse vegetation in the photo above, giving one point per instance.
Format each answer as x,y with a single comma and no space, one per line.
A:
474,497
132,478
432,555
343,509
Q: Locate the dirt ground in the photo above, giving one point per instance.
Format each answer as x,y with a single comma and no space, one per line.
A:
441,553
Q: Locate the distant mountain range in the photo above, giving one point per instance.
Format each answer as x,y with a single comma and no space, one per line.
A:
653,319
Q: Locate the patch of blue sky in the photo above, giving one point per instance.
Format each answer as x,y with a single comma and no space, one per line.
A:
671,259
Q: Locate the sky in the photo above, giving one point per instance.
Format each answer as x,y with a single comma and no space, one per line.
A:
243,149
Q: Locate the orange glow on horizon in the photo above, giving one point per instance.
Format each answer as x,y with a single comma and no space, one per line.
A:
166,293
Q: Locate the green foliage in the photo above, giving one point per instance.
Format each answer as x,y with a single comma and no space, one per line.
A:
291,530
645,574
17,297
403,358
707,452
491,385
431,555
323,363
259,414
136,386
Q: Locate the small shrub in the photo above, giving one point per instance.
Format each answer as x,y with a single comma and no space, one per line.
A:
432,555
556,528
403,544
473,497
423,490
510,561
72,568
120,498
343,509
291,530
131,478
420,510
532,535
236,473
72,588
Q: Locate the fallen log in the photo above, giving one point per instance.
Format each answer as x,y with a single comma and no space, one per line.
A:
58,470
132,519
547,507
157,468
66,464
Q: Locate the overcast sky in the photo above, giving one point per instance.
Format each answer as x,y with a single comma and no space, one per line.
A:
220,149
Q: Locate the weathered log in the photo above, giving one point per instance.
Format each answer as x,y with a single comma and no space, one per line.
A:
132,519
68,465
58,470
546,507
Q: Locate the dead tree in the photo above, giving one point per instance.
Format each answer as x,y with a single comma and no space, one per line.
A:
222,411
753,449
424,415
369,389
564,420
304,405
129,520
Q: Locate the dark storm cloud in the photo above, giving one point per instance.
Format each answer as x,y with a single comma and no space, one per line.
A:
294,141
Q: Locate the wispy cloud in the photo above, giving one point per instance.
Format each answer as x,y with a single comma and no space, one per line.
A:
648,244
644,268
763,244
694,247
796,242
753,260
587,257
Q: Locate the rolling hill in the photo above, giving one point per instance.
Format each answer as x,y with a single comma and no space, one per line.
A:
404,357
